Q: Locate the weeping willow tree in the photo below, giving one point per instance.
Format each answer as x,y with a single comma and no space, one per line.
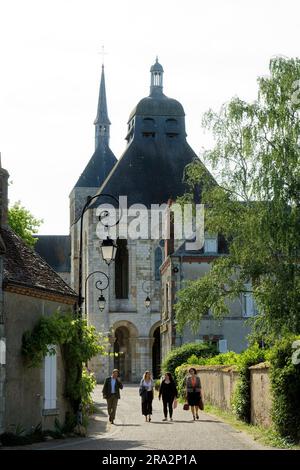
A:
255,205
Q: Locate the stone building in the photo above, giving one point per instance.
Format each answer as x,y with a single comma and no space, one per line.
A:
29,289
150,171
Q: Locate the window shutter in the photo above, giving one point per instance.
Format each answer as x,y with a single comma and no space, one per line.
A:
210,245
222,345
2,351
249,308
50,379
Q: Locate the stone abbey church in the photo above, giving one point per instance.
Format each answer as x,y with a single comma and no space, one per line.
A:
150,171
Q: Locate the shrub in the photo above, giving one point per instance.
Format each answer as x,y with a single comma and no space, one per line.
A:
241,402
157,384
180,374
230,358
285,383
180,355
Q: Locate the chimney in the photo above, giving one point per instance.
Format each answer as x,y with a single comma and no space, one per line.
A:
3,195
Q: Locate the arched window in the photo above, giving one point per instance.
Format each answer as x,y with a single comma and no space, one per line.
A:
121,270
158,258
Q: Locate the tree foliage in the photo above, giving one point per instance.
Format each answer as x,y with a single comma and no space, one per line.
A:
255,205
23,223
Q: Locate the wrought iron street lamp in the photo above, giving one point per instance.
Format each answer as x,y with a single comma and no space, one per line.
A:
108,247
102,284
109,250
147,291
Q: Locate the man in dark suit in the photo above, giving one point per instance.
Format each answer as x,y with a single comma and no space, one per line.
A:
111,392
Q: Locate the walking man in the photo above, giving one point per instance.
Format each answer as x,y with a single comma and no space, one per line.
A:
111,392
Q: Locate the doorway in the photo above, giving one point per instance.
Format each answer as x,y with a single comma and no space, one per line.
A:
122,354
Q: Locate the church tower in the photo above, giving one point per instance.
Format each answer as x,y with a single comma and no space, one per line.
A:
150,171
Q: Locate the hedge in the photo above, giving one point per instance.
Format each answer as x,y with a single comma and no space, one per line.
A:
285,383
180,355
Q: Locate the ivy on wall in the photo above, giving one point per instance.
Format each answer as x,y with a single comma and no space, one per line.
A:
79,343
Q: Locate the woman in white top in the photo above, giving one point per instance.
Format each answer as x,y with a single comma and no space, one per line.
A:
146,394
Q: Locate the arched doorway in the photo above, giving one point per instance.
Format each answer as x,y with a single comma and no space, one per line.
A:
122,353
156,353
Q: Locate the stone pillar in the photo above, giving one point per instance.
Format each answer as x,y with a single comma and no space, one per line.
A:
143,355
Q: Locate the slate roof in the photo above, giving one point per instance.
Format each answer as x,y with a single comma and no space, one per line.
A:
55,250
149,175
24,267
97,169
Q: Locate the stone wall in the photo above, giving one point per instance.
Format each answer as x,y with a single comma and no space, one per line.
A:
219,382
261,397
24,387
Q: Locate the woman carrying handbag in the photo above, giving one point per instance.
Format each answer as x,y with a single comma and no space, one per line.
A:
193,393
146,394
168,393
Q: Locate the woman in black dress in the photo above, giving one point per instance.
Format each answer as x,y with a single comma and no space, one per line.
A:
168,392
193,391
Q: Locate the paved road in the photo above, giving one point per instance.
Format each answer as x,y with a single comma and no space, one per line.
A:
131,432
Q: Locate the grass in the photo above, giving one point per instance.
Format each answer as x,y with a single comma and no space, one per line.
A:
265,436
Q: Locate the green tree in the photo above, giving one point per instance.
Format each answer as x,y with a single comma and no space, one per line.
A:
23,223
255,205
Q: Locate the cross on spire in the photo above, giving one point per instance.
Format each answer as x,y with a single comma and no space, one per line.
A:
103,53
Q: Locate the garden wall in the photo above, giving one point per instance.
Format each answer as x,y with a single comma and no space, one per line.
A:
261,397
218,384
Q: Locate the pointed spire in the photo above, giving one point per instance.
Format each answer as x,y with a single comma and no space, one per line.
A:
102,121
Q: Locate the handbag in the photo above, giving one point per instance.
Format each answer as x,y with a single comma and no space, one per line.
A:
201,404
186,406
175,403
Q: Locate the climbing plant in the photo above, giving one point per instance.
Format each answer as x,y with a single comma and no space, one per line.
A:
79,343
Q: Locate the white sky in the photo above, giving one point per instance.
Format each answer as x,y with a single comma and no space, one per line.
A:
50,66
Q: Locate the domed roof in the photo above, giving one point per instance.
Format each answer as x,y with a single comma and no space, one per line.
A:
159,105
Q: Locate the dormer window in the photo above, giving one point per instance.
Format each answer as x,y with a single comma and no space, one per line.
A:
148,127
172,128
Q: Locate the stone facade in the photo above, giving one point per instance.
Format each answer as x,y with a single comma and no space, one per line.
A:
130,316
176,269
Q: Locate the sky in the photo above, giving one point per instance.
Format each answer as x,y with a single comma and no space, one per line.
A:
50,66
